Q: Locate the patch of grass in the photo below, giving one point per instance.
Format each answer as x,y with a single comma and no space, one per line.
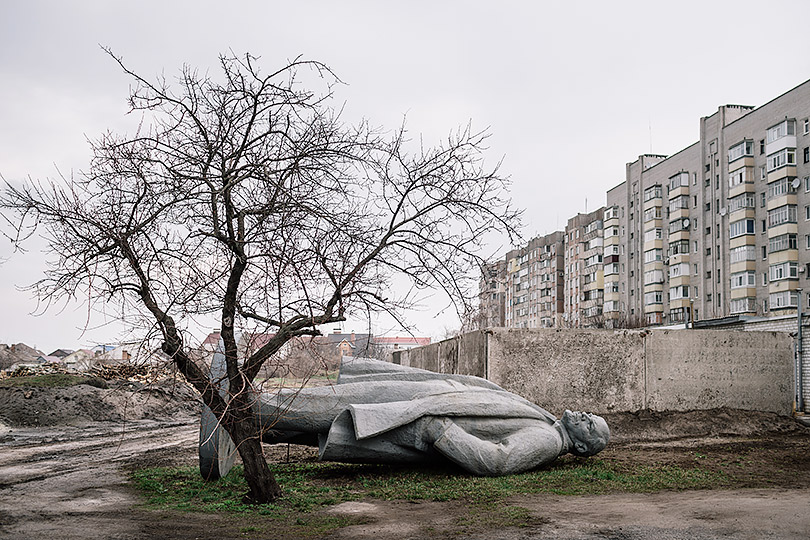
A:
51,380
309,487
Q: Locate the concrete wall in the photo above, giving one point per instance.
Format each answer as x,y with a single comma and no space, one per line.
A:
624,370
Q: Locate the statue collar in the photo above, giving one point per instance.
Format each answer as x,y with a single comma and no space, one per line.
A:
566,440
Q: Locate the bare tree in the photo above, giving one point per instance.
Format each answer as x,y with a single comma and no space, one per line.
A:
245,196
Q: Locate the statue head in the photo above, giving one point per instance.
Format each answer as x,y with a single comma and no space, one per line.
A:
589,433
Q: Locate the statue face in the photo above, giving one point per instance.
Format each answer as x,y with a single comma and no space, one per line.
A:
589,433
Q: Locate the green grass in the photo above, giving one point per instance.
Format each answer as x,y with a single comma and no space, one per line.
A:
308,486
51,380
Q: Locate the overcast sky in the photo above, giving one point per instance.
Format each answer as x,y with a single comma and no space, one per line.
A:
571,91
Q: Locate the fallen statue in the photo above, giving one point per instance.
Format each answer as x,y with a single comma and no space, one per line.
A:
380,412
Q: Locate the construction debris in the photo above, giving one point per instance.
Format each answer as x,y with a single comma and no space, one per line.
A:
119,372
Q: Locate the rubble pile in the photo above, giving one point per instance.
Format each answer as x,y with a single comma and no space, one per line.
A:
30,371
120,372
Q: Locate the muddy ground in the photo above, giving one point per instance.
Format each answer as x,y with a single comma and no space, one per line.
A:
69,481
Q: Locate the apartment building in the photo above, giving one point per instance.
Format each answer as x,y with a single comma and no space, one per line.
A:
534,281
721,227
584,276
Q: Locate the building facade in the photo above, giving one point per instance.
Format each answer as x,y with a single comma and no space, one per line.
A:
534,283
720,228
584,275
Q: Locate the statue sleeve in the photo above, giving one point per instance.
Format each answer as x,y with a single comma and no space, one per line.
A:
517,452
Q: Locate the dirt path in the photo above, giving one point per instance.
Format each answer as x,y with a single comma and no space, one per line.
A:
691,515
66,483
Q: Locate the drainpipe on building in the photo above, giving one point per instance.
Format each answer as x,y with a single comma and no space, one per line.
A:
798,366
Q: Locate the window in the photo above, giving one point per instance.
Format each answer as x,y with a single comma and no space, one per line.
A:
743,279
780,187
678,225
744,200
594,259
783,214
593,243
743,305
783,299
762,200
763,173
652,213
653,297
708,207
742,253
652,234
744,148
652,192
611,231
676,270
806,184
678,247
612,268
612,212
762,146
740,176
653,255
806,124
680,179
741,227
782,129
764,252
653,276
678,203
806,154
679,292
782,242
785,156
785,270
596,224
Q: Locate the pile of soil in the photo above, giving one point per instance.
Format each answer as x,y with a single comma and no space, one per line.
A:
83,404
654,426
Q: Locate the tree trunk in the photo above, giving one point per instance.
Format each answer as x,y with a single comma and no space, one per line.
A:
261,481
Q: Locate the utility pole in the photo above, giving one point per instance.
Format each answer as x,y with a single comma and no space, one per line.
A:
799,348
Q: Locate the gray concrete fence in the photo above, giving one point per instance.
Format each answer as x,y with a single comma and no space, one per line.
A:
624,370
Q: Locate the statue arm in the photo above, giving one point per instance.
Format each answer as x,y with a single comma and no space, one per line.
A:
517,452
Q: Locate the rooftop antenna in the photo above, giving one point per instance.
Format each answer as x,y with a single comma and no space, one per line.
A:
650,125
586,205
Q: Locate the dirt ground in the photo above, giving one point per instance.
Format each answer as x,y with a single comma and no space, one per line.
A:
69,481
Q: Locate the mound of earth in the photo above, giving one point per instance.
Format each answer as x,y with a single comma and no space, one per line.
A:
83,404
647,425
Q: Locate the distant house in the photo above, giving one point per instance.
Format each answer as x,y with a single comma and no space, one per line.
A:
61,353
17,354
48,359
81,360
211,342
130,353
398,343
